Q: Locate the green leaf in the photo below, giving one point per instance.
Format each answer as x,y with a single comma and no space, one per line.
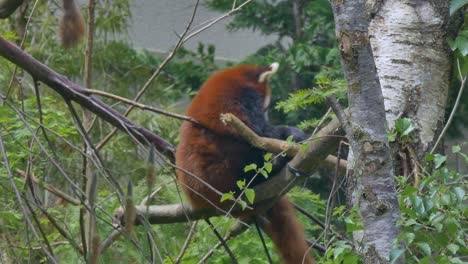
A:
351,226
267,156
409,190
445,199
453,248
404,126
409,222
250,167
418,205
268,167
439,160
436,217
456,149
461,43
337,252
227,196
263,172
243,204
339,210
429,157
408,237
250,194
240,183
392,136
457,4
457,261
459,192
425,248
395,254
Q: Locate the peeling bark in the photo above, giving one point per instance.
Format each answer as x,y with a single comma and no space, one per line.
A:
413,61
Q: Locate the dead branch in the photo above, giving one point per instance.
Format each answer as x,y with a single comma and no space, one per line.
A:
50,188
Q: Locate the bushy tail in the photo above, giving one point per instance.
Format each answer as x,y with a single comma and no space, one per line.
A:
72,24
287,233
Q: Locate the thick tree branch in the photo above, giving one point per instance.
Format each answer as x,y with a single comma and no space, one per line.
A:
371,185
304,164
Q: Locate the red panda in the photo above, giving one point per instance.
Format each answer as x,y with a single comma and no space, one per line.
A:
72,24
216,154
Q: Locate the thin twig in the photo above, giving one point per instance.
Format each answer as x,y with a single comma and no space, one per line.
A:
214,21
99,161
90,177
222,241
142,106
186,242
50,188
235,231
454,109
316,220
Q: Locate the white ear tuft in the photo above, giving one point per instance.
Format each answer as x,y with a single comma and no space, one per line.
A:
266,75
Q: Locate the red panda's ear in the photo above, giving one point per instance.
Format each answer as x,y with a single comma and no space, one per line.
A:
266,75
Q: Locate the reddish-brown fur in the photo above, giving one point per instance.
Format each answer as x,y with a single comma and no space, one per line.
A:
217,155
72,24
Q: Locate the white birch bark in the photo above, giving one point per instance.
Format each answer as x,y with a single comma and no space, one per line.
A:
413,61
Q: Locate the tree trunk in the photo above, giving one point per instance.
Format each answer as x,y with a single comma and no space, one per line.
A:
409,42
371,169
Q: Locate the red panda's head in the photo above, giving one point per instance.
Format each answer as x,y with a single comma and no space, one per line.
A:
254,77
225,91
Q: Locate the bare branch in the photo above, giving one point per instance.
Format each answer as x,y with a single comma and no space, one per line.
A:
187,242
51,189
142,106
74,92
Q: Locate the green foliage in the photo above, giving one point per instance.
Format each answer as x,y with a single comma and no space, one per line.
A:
303,99
433,215
402,131
458,42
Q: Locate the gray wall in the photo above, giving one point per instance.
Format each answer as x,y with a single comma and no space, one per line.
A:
155,22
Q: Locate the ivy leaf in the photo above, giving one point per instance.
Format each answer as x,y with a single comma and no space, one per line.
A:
267,156
250,194
404,126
